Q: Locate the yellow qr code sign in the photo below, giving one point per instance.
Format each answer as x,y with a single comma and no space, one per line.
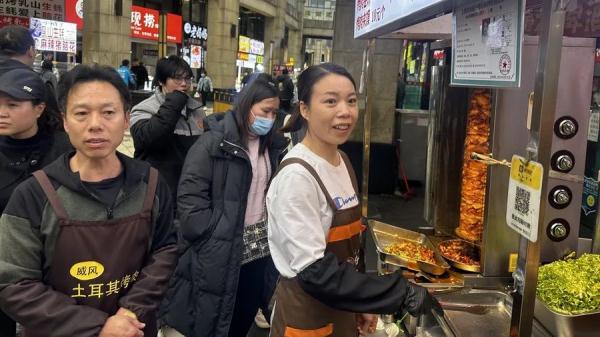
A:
528,174
524,196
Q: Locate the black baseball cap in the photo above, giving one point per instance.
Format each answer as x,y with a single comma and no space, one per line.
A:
23,84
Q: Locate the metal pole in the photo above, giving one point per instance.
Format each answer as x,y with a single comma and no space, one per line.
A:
539,149
596,236
162,36
370,99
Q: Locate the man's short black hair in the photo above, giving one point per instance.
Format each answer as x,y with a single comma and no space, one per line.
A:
91,73
47,65
125,63
285,71
15,40
171,67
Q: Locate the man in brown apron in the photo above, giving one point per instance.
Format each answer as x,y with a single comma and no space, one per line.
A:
87,245
323,299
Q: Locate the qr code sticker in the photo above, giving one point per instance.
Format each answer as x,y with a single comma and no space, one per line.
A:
522,200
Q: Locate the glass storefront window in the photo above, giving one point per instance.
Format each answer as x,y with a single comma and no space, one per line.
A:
317,51
318,10
252,24
292,8
195,11
320,4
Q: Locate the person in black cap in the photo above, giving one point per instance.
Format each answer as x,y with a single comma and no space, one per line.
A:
17,51
30,138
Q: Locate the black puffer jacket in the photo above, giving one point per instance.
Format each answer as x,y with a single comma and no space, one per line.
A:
211,205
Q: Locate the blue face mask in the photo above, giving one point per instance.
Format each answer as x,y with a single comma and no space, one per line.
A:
261,125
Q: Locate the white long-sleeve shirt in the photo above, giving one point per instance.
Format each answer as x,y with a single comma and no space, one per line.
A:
298,212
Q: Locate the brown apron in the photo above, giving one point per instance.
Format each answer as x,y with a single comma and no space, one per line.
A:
298,314
97,262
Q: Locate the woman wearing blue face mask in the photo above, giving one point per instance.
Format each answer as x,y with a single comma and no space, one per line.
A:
218,285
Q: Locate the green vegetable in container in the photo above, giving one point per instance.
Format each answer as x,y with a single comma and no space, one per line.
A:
571,287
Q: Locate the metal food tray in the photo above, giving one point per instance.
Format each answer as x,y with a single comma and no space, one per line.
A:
561,325
460,265
477,312
385,235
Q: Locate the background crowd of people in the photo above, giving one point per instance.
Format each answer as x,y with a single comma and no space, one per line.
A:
215,218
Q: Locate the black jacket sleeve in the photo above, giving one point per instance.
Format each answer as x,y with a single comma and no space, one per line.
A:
147,292
194,197
40,308
340,286
149,134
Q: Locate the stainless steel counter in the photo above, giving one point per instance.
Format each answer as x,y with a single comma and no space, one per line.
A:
472,313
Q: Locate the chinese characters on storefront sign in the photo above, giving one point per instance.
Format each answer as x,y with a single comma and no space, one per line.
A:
378,14
250,52
145,24
194,33
54,35
363,20
362,4
13,20
244,44
174,23
46,9
251,46
194,40
370,15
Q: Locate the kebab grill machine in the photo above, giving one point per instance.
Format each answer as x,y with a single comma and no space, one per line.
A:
470,252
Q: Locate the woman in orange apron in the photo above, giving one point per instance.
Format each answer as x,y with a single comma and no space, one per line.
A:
87,245
314,224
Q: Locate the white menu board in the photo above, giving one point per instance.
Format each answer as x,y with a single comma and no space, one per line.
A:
54,35
487,38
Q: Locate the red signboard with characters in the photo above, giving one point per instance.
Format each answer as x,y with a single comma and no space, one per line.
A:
74,12
174,28
144,23
6,20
